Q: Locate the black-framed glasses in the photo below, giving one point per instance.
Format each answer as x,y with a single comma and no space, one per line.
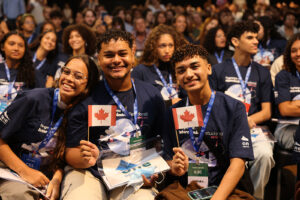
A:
77,75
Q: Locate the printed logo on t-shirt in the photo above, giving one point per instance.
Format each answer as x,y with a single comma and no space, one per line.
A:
294,89
4,118
245,142
297,147
296,97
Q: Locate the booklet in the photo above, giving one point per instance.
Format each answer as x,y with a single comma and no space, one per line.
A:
121,171
7,174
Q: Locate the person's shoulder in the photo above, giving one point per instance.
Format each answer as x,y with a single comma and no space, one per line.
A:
223,65
141,67
223,100
143,85
37,94
259,67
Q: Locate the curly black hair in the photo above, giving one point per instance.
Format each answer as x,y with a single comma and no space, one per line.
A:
288,64
87,35
210,39
240,28
115,35
35,45
150,55
26,71
189,51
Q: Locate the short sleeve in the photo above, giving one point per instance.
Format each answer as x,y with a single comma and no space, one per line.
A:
266,87
240,145
282,87
77,126
13,117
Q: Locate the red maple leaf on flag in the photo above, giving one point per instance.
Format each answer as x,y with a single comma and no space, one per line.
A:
187,116
101,115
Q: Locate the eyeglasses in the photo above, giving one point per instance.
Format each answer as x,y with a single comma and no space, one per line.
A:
77,75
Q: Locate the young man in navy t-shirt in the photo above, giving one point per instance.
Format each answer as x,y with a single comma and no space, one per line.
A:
250,83
143,108
226,141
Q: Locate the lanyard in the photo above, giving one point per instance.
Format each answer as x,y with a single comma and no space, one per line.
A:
169,88
40,64
219,59
51,130
243,83
261,50
10,84
196,144
298,75
30,39
120,105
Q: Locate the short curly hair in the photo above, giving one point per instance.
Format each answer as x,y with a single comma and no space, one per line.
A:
240,28
114,34
150,55
87,35
210,39
288,64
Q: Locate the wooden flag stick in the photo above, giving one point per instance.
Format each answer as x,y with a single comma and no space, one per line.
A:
88,133
176,133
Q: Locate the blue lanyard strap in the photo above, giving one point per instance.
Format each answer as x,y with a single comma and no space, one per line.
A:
169,88
243,83
10,84
51,130
120,105
261,50
297,74
30,39
196,144
219,59
40,64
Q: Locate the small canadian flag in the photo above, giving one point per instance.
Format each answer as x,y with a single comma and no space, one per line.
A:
187,117
102,115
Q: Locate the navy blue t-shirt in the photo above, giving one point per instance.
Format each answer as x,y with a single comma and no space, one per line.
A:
17,86
287,88
259,86
149,75
24,124
150,114
227,133
213,60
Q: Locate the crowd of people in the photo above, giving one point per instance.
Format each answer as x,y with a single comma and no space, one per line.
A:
240,66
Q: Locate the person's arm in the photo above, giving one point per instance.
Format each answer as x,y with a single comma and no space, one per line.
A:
289,108
54,185
13,162
49,82
261,116
231,178
83,156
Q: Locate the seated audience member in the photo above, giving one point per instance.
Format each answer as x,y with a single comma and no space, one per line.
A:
160,18
56,17
155,66
140,33
222,144
89,17
216,45
139,104
289,25
27,26
271,43
45,56
249,82
17,72
32,140
287,93
181,26
77,39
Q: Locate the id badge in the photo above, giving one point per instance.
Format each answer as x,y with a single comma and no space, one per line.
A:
31,161
198,172
137,143
166,95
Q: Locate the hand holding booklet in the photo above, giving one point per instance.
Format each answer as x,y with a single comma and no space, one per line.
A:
7,174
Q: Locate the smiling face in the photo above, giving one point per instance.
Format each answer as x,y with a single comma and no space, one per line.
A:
180,24
247,43
48,41
76,41
73,80
192,73
116,59
14,47
295,54
165,47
